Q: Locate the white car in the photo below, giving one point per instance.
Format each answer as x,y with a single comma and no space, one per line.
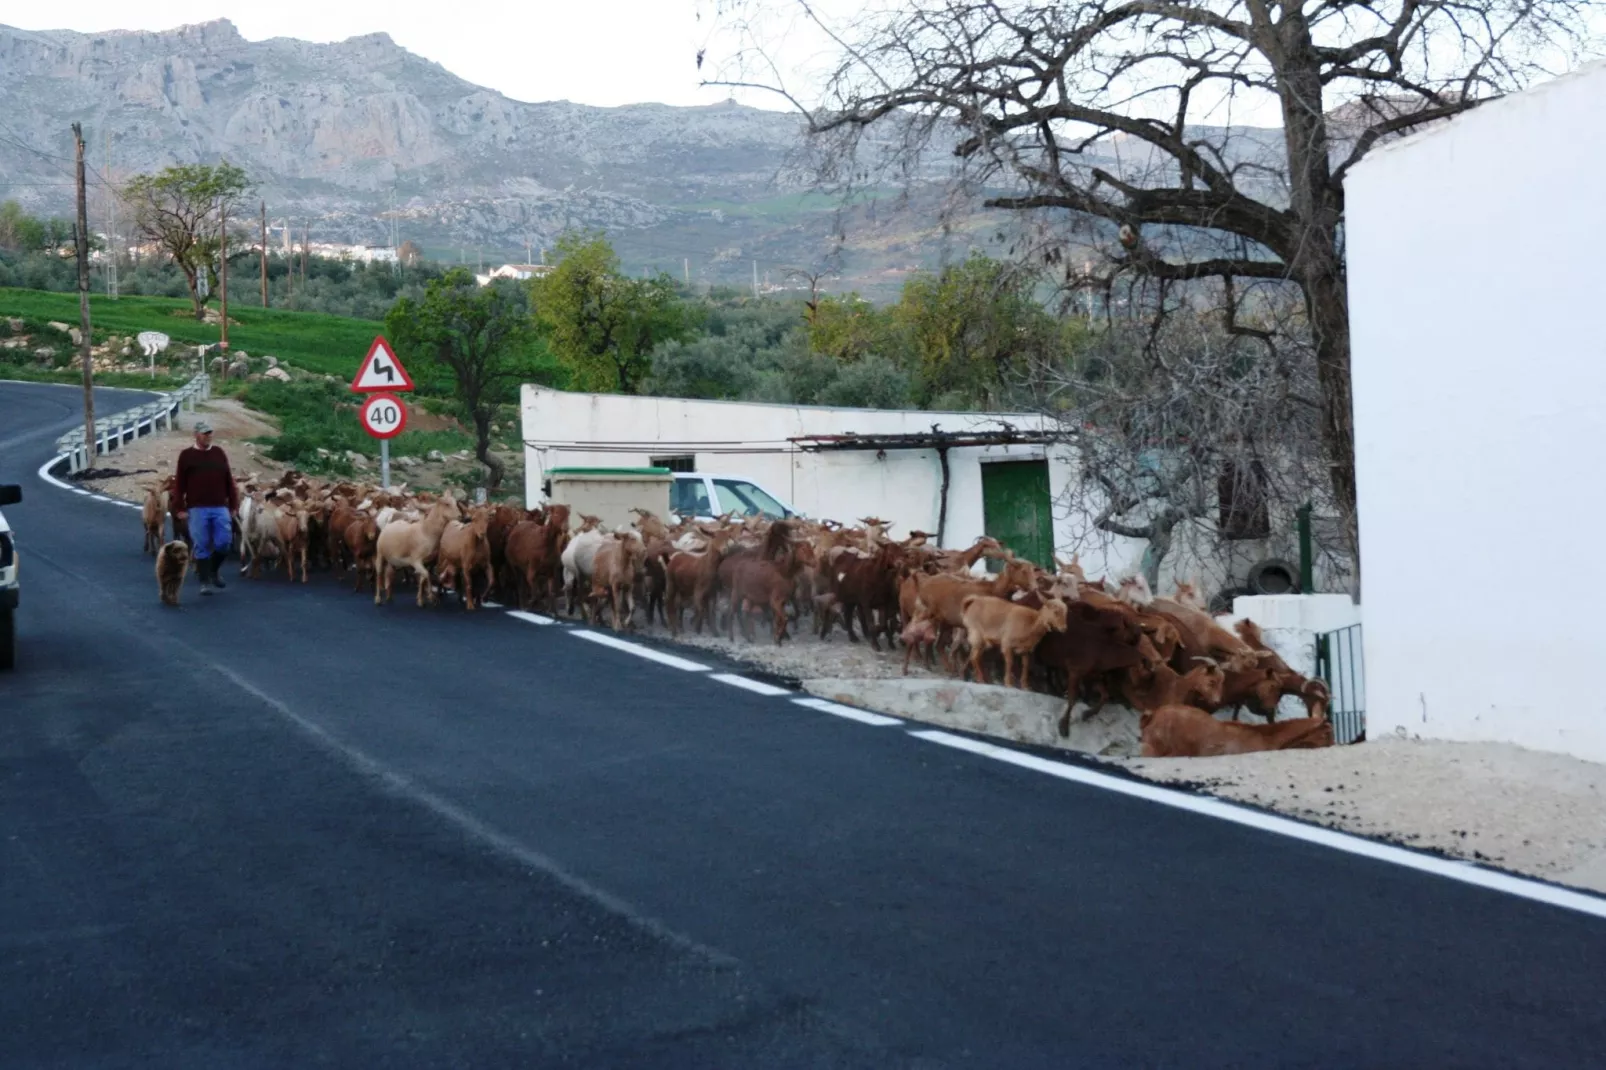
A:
703,496
10,494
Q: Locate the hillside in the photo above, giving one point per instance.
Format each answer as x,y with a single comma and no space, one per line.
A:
336,133
329,345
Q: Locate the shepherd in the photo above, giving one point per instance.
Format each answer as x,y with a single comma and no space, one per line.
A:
204,486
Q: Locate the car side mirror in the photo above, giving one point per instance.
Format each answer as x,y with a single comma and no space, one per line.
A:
10,494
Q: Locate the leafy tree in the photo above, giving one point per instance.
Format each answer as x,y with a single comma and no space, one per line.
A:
180,209
481,337
20,231
973,330
849,328
601,324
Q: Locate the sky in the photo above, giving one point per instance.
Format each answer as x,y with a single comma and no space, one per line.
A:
601,52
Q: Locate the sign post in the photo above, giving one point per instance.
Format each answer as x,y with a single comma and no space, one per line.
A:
383,415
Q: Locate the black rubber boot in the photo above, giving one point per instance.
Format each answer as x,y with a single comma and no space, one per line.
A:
203,569
217,571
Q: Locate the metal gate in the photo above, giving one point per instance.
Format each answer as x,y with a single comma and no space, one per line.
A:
1340,663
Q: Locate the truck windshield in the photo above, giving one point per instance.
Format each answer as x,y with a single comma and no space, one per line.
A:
744,499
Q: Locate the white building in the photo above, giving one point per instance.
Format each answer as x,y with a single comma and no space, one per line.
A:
1480,405
512,271
1013,487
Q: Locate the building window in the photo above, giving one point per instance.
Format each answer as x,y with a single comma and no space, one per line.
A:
1242,490
680,462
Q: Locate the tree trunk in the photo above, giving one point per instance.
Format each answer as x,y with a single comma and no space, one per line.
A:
1315,261
482,450
192,278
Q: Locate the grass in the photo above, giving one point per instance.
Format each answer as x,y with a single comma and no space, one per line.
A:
315,414
329,345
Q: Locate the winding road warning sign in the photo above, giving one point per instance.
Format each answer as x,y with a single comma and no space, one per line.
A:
381,370
383,416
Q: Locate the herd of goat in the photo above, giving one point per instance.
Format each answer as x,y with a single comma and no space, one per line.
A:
1092,641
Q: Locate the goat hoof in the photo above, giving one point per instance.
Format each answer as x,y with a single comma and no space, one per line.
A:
1065,724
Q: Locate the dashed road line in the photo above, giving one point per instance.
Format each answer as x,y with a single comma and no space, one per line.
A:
530,618
640,651
756,686
826,706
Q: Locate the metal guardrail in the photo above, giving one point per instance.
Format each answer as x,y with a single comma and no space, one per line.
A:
114,431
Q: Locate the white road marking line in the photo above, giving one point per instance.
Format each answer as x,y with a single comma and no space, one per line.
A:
1453,869
756,686
44,473
491,605
640,651
533,618
825,706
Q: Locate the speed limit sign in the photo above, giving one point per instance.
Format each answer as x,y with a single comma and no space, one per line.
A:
384,416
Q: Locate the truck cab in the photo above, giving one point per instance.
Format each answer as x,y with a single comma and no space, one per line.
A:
705,495
10,494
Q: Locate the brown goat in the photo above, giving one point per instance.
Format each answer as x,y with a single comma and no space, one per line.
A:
692,576
154,515
465,549
613,574
361,539
942,597
533,552
1014,630
1178,731
766,580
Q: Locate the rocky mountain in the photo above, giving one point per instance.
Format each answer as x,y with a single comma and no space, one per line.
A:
341,135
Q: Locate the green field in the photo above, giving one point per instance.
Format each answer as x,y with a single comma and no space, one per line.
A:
331,345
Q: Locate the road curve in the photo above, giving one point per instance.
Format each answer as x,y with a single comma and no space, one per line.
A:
282,826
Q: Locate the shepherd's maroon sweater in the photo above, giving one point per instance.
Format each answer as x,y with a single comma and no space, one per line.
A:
203,479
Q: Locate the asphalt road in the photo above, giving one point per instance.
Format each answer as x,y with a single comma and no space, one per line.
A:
281,827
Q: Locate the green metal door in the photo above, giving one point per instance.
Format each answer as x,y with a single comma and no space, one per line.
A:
1016,509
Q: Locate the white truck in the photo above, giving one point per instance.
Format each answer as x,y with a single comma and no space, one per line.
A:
704,495
10,494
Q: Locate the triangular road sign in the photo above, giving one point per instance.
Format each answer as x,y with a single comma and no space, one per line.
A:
381,370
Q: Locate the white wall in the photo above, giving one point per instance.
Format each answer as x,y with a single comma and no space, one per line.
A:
904,486
1476,297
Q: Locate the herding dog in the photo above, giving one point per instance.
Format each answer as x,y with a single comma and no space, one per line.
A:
172,562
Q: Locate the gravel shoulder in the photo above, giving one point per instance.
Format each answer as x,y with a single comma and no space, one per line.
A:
150,458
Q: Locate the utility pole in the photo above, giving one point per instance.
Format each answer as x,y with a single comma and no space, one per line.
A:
111,225
264,254
306,240
685,263
755,278
81,242
223,274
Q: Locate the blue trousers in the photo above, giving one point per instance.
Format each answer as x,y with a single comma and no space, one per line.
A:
211,530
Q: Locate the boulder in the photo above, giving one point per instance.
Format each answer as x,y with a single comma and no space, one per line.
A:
435,455
355,459
239,370
15,324
44,351
273,362
277,374
62,327
219,366
408,462
76,335
321,452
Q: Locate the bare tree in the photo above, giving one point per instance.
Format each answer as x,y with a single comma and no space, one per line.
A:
1129,116
1185,434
